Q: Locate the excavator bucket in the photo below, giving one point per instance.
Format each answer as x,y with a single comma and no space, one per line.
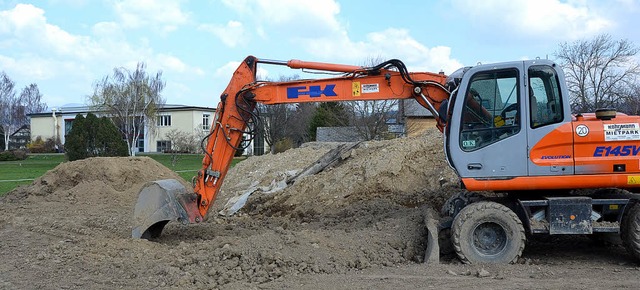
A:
160,202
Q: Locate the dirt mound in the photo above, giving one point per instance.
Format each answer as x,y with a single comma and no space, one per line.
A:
406,171
88,178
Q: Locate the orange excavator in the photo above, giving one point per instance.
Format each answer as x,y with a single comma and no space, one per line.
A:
507,128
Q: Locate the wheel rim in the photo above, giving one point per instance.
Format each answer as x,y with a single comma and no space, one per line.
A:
489,238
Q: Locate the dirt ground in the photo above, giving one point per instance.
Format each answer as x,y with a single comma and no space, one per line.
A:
358,225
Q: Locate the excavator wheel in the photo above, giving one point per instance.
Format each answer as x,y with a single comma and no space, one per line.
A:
487,232
458,201
630,229
444,238
450,209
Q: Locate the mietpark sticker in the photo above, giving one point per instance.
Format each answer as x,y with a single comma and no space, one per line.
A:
621,132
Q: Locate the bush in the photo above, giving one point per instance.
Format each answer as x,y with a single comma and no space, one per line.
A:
93,137
42,146
283,145
13,155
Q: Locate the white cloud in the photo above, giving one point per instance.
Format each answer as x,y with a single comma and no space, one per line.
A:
314,26
75,3
231,34
164,14
174,64
34,50
386,44
27,27
107,30
38,69
562,20
225,72
292,18
177,91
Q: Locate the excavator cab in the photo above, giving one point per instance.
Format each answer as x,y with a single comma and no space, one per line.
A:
499,119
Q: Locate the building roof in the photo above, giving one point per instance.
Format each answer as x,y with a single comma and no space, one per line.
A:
81,109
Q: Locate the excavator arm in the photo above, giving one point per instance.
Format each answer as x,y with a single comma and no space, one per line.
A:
162,201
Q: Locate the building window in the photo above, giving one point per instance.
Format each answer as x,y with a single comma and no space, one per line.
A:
206,123
68,124
163,146
164,121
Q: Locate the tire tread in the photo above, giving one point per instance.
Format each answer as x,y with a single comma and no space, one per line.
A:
475,208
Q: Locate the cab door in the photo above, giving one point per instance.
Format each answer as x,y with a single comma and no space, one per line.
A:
487,137
550,139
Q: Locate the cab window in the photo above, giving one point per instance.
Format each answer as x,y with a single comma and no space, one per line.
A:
491,109
545,102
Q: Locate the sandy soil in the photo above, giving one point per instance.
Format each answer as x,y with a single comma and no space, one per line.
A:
359,225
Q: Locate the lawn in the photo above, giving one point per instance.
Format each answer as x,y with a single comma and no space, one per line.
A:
16,173
24,171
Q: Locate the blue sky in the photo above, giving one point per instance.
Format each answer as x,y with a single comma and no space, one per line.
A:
66,45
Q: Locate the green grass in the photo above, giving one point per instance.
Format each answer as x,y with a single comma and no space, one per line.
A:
186,165
33,167
23,172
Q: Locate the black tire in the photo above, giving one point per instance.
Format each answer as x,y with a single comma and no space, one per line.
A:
487,232
444,241
458,201
630,229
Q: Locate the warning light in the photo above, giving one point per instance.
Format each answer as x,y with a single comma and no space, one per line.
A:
572,217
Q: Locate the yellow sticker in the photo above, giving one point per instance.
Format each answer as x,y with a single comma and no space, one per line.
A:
614,207
633,179
355,88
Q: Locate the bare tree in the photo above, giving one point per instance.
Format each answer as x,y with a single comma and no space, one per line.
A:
277,120
631,102
32,99
8,106
131,99
14,109
370,117
599,72
183,142
299,125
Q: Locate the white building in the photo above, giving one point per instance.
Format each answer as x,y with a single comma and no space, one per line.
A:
57,122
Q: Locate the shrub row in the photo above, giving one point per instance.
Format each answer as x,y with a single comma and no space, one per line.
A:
13,155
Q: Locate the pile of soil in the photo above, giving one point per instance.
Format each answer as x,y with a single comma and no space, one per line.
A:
360,224
406,171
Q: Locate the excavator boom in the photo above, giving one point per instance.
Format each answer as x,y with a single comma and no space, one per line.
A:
162,201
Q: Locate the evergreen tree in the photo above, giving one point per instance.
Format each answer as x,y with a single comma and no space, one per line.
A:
329,114
75,143
109,140
93,137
